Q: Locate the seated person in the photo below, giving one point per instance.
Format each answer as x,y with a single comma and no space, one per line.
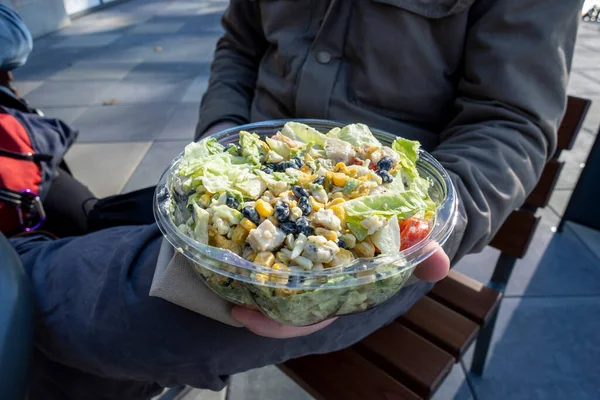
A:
481,84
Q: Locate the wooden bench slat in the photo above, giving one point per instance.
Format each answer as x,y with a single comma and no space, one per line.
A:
515,235
344,375
409,358
577,108
540,196
441,325
467,296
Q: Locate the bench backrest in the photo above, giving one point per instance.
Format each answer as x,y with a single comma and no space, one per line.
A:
515,235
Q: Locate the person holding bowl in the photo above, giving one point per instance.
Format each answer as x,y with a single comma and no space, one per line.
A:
481,84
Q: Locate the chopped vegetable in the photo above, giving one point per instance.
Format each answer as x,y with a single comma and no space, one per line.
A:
303,200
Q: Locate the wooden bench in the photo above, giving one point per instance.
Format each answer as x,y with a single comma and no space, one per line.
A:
410,358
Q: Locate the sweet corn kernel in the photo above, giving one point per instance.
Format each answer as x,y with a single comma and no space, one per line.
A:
282,257
340,167
336,200
279,278
205,200
350,240
315,204
429,215
251,257
247,224
263,208
305,179
279,266
327,234
337,195
306,169
261,277
293,203
344,256
239,235
339,179
265,258
226,244
331,235
352,172
364,249
339,212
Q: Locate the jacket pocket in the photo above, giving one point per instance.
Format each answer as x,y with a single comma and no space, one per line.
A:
434,9
404,56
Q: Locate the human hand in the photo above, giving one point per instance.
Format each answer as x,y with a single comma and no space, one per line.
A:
433,269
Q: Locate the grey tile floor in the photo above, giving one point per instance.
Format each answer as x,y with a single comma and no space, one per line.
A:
151,58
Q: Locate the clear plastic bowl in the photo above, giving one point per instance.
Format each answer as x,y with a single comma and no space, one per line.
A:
307,297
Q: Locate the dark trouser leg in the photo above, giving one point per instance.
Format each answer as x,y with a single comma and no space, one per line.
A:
95,315
134,208
65,206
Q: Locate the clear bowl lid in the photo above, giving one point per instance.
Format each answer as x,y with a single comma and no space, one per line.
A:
231,265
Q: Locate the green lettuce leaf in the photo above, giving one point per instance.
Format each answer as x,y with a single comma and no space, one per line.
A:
201,218
274,185
279,147
196,153
282,176
298,131
252,147
396,185
421,186
355,134
401,204
387,239
408,148
233,217
353,223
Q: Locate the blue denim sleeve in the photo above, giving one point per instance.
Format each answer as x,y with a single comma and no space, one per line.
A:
95,316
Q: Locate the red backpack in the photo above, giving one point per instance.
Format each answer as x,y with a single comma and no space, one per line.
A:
31,148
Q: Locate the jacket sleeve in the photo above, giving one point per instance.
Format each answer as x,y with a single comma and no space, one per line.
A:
234,68
509,104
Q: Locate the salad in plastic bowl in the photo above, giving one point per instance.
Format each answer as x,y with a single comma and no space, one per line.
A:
305,220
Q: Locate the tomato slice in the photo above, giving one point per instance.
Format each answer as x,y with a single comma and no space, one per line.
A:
412,231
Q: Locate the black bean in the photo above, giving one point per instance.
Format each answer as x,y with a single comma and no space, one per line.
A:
341,243
288,227
282,166
385,176
228,282
277,167
298,162
267,170
303,226
300,192
282,211
385,164
232,202
251,213
304,205
319,180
